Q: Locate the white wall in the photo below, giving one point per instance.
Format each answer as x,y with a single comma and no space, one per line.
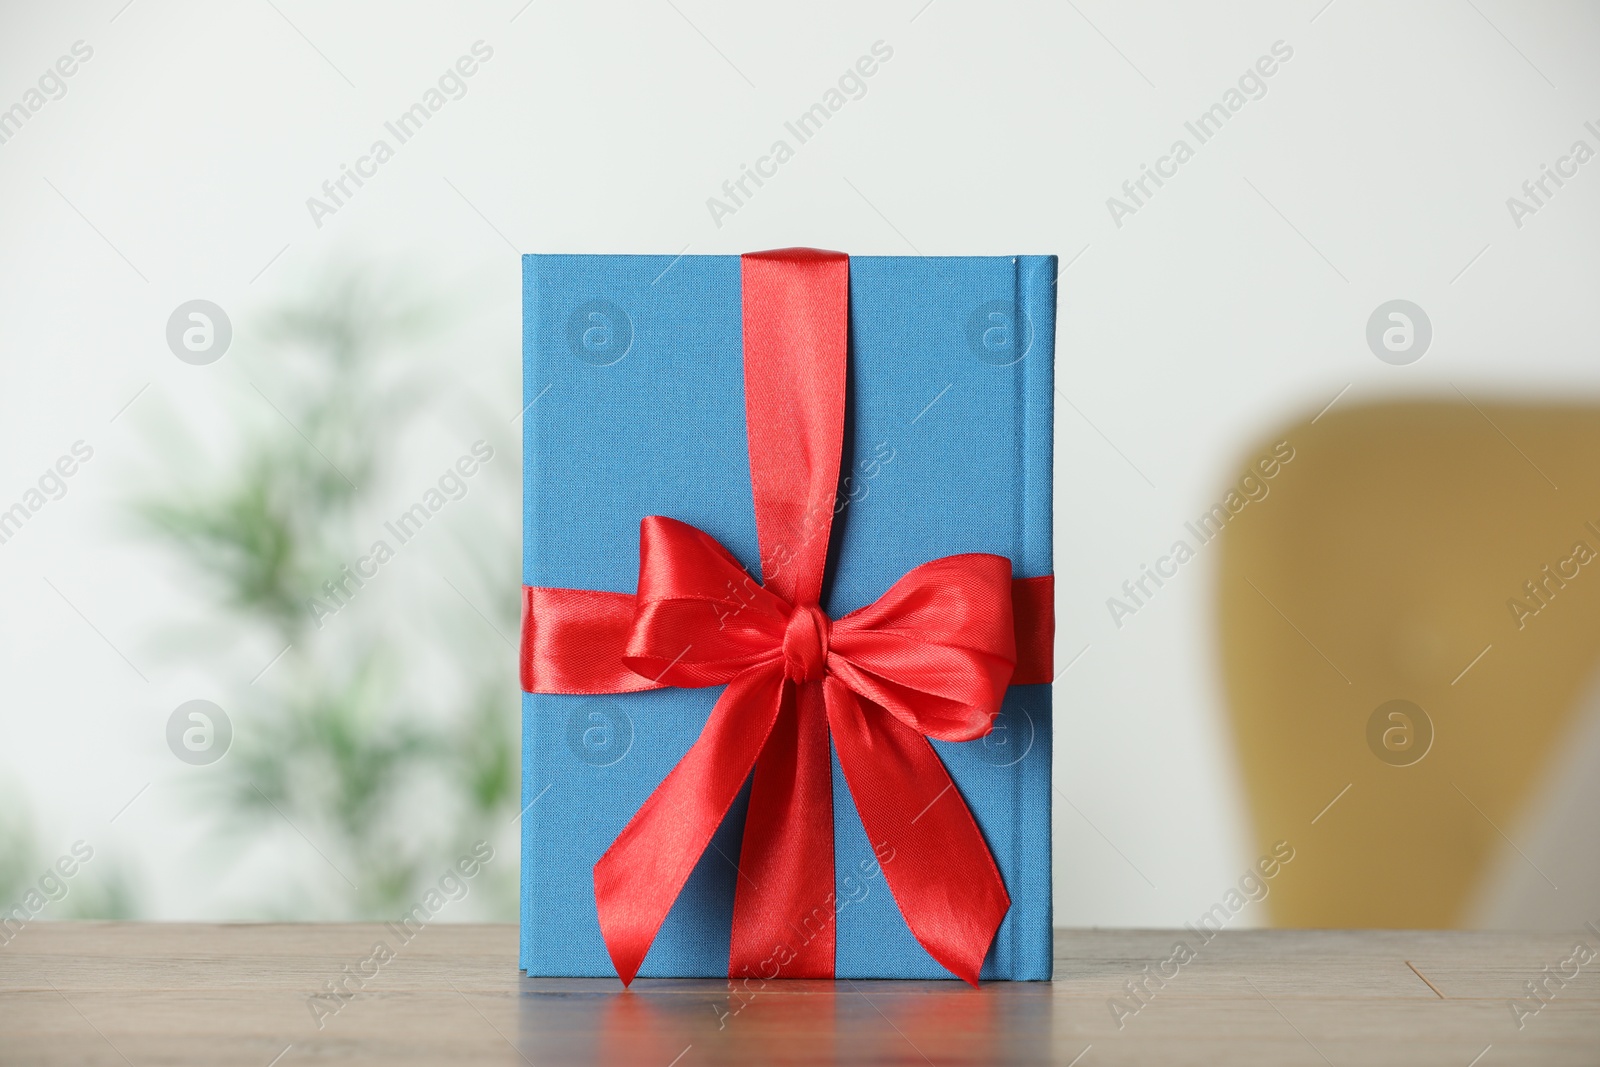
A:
1376,166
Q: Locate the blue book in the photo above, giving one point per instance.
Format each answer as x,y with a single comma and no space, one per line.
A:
633,380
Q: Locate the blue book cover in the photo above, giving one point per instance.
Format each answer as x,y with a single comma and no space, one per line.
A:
633,383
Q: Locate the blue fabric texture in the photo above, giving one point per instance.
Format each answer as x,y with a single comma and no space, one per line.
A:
633,377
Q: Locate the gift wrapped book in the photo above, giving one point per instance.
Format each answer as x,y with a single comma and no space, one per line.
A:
787,621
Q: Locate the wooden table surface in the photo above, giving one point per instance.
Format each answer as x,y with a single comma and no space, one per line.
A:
137,993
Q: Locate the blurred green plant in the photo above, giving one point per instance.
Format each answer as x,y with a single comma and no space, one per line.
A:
340,740
99,890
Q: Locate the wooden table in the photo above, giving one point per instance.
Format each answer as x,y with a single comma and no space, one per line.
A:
134,993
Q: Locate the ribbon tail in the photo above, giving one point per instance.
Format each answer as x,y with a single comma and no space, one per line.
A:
933,855
785,894
642,873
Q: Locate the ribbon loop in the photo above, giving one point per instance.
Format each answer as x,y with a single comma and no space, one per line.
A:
698,620
938,649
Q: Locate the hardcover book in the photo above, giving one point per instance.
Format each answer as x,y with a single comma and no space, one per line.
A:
634,394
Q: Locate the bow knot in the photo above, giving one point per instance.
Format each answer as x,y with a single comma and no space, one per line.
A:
805,644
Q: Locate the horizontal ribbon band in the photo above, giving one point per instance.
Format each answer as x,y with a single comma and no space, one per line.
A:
573,639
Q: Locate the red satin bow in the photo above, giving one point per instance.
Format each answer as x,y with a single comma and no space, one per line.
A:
931,658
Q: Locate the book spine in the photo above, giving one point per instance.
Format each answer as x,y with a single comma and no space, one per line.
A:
1036,297
1032,956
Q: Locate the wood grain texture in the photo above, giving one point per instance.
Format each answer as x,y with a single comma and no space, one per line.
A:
134,993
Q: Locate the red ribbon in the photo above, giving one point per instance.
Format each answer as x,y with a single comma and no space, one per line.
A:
931,658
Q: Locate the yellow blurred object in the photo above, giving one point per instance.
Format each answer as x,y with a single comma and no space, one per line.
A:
1445,554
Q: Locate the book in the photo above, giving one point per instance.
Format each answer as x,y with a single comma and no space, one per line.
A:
634,406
